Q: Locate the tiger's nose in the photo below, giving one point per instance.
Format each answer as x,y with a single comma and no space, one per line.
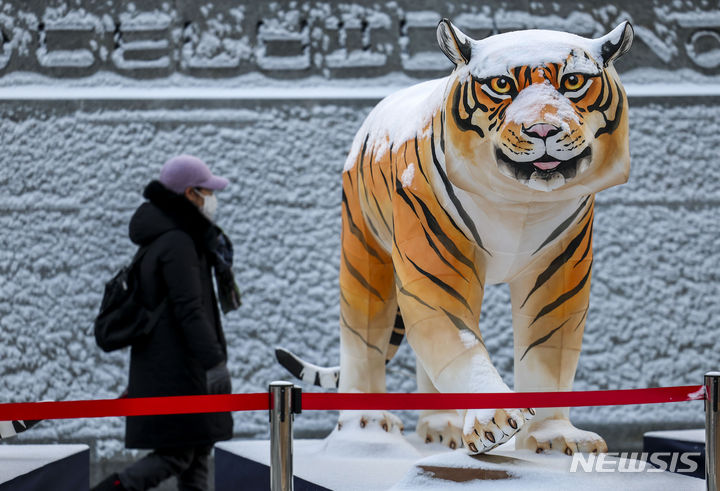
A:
541,130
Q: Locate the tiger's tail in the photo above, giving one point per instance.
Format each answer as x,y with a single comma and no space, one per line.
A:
11,428
325,377
329,377
396,338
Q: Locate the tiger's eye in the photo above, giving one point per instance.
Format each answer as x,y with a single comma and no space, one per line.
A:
574,81
500,85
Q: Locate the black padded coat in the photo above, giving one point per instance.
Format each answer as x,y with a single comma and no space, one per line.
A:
188,338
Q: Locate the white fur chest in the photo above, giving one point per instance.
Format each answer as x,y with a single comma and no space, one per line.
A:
517,234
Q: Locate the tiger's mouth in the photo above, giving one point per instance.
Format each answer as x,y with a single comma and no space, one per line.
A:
546,173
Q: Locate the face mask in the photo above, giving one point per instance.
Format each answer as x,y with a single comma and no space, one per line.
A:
209,206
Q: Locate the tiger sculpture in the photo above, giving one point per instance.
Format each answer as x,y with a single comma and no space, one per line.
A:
486,176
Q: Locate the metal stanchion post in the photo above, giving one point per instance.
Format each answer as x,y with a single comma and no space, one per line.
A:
284,404
712,437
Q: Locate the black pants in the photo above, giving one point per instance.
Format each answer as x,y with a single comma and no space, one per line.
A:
190,465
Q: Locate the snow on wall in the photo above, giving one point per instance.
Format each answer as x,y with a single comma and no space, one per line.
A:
292,39
73,173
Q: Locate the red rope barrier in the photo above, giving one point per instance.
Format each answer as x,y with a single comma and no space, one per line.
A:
134,407
338,401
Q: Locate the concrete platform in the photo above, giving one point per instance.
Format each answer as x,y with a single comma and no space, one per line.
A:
691,442
381,461
44,467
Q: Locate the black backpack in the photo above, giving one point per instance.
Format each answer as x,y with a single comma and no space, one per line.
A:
123,319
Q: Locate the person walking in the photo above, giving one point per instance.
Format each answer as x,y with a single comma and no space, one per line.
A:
186,352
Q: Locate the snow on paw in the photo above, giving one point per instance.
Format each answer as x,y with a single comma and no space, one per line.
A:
485,429
358,420
444,427
559,435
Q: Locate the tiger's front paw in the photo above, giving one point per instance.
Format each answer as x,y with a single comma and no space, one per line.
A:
383,420
443,427
484,429
559,435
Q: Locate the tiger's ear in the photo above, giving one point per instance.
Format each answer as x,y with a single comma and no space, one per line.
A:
616,43
456,45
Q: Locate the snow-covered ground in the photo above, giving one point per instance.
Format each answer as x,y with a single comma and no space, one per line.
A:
372,460
18,460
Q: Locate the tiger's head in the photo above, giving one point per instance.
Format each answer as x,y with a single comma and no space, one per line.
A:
535,115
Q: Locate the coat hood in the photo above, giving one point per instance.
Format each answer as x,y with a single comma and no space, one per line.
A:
165,211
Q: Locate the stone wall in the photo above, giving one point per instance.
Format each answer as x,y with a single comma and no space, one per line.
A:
290,39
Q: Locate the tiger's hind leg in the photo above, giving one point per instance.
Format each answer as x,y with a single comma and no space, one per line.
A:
368,309
367,315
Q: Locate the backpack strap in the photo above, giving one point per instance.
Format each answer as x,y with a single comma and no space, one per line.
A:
135,263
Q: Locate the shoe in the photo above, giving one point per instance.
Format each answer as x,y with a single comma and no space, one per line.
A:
110,483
